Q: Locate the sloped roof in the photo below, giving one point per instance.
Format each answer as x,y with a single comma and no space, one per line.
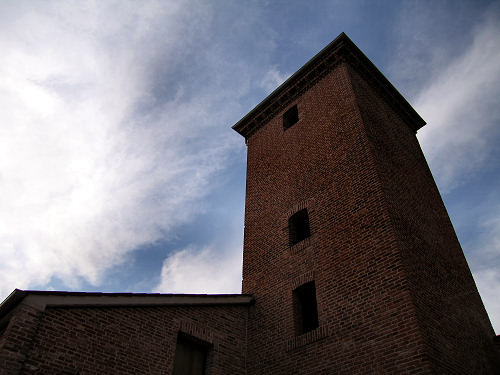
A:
341,49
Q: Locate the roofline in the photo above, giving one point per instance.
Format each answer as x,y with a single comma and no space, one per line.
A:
341,49
42,299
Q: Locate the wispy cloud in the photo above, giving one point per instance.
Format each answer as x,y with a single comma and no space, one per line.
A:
103,145
273,79
460,104
456,89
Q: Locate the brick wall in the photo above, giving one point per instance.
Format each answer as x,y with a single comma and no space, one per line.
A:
367,320
450,312
127,340
16,342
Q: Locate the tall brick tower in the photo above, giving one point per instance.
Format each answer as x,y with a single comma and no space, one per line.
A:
349,251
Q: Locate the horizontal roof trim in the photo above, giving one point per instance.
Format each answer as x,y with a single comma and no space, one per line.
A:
341,49
42,299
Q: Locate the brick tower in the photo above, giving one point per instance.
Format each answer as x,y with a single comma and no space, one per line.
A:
349,251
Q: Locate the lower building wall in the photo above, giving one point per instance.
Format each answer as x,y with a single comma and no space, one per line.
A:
123,340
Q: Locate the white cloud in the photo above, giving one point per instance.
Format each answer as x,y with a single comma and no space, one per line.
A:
202,270
273,79
460,104
85,177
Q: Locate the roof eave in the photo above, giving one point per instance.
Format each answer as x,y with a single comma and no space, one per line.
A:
42,299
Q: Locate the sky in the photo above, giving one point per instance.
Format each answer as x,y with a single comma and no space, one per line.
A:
119,170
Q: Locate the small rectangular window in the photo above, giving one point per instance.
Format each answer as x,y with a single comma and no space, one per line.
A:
298,227
305,308
190,356
290,117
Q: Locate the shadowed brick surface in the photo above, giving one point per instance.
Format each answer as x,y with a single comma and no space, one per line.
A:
394,292
363,299
133,340
450,312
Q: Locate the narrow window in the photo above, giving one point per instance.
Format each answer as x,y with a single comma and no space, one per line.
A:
306,309
290,117
298,227
190,356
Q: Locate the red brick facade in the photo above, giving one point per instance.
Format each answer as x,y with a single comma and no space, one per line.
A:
452,319
394,292
71,338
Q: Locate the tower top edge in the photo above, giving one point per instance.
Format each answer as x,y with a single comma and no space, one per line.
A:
341,50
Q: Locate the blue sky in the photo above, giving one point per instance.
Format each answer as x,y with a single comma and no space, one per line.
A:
119,170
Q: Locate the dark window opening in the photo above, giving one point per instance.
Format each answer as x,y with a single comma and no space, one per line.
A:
298,227
306,308
190,356
290,117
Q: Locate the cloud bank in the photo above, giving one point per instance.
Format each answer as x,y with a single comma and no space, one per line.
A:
103,147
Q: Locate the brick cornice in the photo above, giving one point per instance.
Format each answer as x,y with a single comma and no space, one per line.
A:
340,50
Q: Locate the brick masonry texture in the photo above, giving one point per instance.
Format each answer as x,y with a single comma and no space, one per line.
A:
360,283
128,340
394,291
451,316
17,340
